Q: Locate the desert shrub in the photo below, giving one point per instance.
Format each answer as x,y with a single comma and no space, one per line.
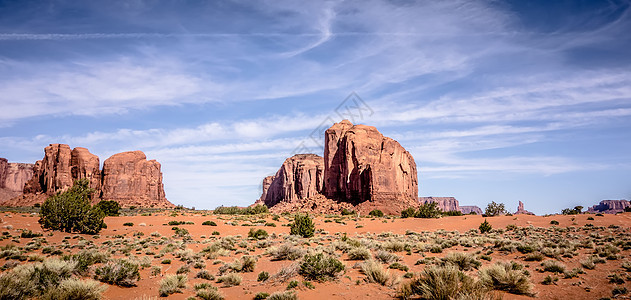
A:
231,279
572,211
495,209
27,234
71,211
292,284
428,210
398,266
618,291
549,280
375,273
409,212
443,282
452,213
463,261
172,284
209,294
286,295
120,272
258,234
508,277
320,267
233,210
204,274
303,226
615,279
245,264
534,257
376,213
128,224
553,266
285,252
626,266
359,253
74,289
485,227
261,296
31,280
209,223
263,276
109,207
86,258
386,257
346,212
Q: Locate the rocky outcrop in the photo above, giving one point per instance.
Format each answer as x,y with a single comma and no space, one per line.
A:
13,177
300,177
52,173
368,170
521,210
267,181
609,206
470,209
444,203
126,177
132,180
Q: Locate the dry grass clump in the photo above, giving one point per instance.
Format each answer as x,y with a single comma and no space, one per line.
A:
285,252
359,253
172,284
553,266
245,264
375,273
231,279
507,277
464,261
320,267
120,272
210,293
70,289
285,295
444,282
386,257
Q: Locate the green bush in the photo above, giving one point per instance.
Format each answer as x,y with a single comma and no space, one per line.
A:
209,223
209,294
71,211
261,296
86,258
320,267
452,213
485,227
263,276
258,234
32,280
286,295
302,226
27,234
554,222
234,210
120,272
130,224
409,212
428,210
376,213
495,209
346,212
109,207
572,211
359,253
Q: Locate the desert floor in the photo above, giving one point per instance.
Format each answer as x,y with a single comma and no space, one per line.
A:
415,243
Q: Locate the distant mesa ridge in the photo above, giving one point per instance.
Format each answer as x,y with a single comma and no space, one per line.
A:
610,206
450,204
128,178
521,210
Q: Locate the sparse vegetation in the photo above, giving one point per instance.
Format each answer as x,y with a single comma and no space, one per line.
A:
320,267
494,209
303,226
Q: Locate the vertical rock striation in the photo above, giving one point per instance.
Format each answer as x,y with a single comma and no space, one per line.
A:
300,177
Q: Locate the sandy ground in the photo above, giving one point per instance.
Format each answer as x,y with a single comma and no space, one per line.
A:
593,284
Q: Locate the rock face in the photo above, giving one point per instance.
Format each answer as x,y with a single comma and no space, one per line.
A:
610,206
85,165
366,169
444,203
521,210
469,209
131,180
300,177
52,174
13,177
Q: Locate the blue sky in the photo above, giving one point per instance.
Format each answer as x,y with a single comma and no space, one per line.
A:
496,100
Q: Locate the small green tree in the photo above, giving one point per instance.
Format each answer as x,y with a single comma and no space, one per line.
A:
109,207
485,227
302,226
574,211
71,211
429,210
495,209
